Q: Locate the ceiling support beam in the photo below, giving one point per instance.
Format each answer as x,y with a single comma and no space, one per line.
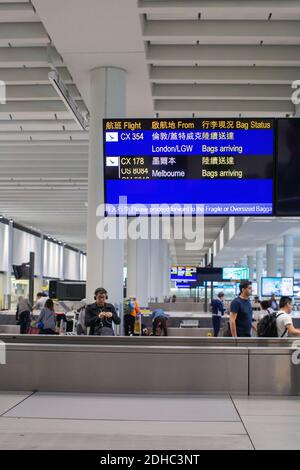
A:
223,32
222,92
235,75
223,55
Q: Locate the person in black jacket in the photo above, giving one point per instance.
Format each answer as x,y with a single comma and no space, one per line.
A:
100,315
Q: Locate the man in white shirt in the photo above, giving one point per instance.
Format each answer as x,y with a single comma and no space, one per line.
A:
284,320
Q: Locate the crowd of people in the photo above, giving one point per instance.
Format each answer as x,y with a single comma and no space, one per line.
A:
246,317
100,316
40,316
96,318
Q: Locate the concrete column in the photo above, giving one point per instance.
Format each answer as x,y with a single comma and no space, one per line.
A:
156,270
62,263
259,270
78,266
288,256
166,268
105,258
41,276
250,264
39,280
81,266
10,246
272,260
138,268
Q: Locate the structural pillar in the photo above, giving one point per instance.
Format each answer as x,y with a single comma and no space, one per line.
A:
156,271
78,265
138,268
62,262
271,260
7,283
288,256
166,268
39,280
105,258
259,270
250,263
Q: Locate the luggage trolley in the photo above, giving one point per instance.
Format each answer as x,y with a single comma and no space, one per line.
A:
138,325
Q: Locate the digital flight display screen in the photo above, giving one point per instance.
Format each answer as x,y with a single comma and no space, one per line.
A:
205,166
183,273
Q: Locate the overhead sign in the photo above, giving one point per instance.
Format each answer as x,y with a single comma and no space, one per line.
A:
183,273
235,274
208,166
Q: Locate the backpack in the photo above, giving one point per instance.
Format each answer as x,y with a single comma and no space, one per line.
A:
267,326
129,306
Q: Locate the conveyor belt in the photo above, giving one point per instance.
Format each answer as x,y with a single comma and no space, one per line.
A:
150,365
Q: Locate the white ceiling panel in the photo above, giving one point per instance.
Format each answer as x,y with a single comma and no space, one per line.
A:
202,58
43,154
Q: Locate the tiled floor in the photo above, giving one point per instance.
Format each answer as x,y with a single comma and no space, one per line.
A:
75,421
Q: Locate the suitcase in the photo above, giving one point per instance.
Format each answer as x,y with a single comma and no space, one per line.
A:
138,325
33,331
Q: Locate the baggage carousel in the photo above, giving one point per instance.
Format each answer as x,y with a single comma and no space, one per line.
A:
247,366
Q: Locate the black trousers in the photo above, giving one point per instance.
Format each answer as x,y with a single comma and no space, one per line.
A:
47,331
160,323
216,320
129,322
24,320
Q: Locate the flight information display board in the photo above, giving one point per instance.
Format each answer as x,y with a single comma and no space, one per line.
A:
210,274
183,273
208,166
183,285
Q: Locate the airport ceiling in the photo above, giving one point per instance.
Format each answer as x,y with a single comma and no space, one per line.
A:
222,58
183,58
255,233
43,155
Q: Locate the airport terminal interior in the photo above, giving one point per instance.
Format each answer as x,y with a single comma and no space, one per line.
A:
149,225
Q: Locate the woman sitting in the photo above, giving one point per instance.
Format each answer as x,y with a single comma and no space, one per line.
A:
47,319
